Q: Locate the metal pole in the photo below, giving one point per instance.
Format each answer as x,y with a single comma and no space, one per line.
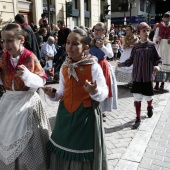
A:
48,7
66,13
148,18
130,13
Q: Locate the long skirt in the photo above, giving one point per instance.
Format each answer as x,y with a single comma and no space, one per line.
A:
164,50
35,155
124,74
111,103
100,156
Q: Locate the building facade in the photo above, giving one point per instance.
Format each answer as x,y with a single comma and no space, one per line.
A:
74,12
133,12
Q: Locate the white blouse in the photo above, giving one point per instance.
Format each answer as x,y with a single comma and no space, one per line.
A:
97,74
107,49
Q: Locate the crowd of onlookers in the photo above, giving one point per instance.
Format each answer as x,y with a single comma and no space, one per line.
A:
47,41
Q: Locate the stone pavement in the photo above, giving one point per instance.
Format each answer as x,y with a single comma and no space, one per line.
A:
128,149
148,149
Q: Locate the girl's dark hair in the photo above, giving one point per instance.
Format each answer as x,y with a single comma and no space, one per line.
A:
19,32
43,15
131,27
85,36
42,30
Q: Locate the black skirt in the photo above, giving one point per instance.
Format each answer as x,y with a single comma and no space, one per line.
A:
144,88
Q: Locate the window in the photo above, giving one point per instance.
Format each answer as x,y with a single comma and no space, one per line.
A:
45,1
74,22
119,6
86,5
75,4
86,22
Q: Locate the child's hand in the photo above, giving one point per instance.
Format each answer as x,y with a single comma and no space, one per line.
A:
50,72
119,64
49,91
156,69
90,87
21,69
99,44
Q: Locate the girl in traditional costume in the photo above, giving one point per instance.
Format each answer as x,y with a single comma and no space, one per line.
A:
77,141
162,38
101,48
24,127
124,74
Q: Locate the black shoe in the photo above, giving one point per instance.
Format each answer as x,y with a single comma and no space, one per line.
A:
136,124
161,87
150,112
156,88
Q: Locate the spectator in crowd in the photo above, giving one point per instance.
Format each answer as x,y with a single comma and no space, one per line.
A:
55,29
33,26
43,17
55,35
119,42
115,48
30,40
122,32
48,48
112,28
152,32
48,52
116,32
89,30
62,33
40,36
47,27
111,37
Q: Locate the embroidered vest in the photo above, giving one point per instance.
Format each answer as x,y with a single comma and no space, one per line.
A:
164,32
9,75
74,93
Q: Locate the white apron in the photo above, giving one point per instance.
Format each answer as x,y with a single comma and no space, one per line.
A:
15,124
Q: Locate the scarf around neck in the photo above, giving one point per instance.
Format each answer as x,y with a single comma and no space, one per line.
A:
86,60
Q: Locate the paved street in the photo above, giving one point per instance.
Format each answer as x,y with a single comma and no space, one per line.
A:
126,147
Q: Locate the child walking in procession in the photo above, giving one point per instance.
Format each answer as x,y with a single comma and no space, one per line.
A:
146,61
101,48
24,127
77,141
162,38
